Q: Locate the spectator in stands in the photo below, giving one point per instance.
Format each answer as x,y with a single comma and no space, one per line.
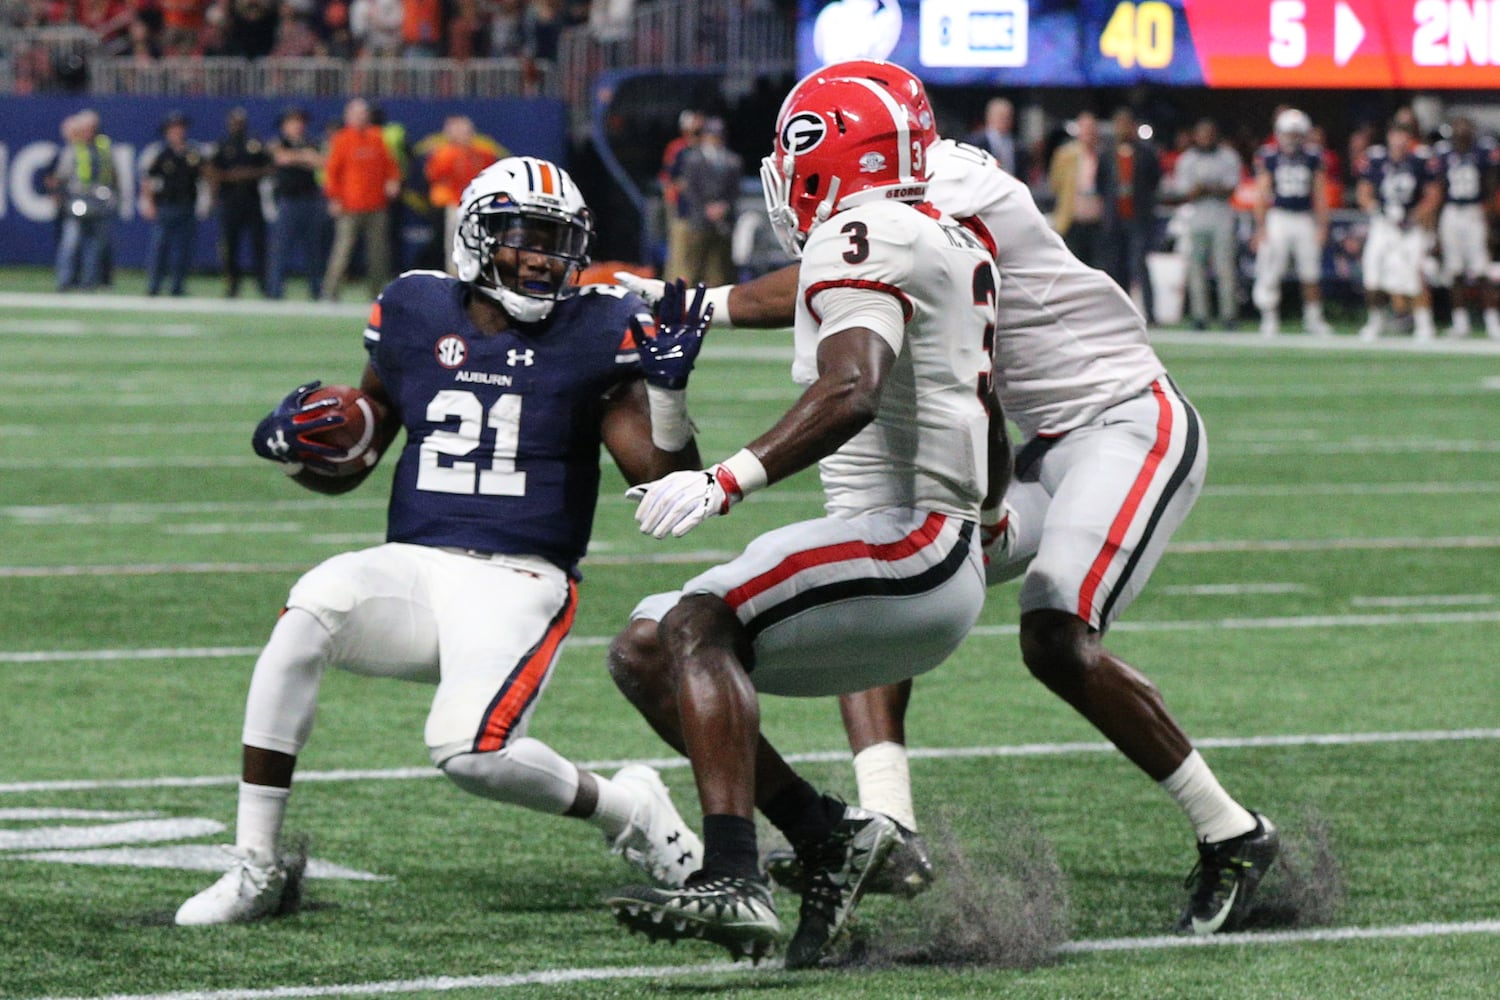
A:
183,23
249,27
169,200
422,28
689,131
298,228
336,31
1204,180
296,38
710,179
1082,178
236,168
376,27
457,159
997,136
1137,176
543,24
362,179
507,35
88,187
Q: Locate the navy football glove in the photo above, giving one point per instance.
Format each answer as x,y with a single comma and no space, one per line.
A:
279,437
668,353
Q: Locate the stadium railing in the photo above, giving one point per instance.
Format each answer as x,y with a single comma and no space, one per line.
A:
744,41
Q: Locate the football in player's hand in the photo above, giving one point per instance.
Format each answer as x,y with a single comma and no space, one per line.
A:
352,439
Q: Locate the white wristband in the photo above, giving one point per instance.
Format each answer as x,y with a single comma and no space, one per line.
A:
748,472
719,298
671,427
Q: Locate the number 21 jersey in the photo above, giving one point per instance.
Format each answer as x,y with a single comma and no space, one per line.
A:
502,430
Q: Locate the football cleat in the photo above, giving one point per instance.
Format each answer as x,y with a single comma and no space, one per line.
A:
1224,880
907,871
839,870
736,913
657,841
256,886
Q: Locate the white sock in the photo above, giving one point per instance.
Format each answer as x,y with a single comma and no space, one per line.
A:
884,781
616,807
262,809
1214,815
1422,324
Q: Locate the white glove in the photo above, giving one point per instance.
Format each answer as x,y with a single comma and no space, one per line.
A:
998,528
650,289
681,501
1395,213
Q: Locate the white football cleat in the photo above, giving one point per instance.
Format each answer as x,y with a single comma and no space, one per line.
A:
1270,325
657,841
1371,330
256,886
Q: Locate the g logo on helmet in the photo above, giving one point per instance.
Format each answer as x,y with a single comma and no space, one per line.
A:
803,132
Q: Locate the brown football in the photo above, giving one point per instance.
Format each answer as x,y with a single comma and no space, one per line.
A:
355,437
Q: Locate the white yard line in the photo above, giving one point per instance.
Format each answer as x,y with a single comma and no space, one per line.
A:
692,556
146,512
1422,600
556,977
811,757
1273,623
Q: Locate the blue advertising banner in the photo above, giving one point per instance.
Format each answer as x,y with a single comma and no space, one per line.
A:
29,139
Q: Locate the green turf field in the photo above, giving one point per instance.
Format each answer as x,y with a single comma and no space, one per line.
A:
1325,623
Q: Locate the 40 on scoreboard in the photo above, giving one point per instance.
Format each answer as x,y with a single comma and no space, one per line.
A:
1404,44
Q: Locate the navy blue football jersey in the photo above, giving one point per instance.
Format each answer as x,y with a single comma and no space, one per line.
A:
1292,175
502,430
1464,172
1398,183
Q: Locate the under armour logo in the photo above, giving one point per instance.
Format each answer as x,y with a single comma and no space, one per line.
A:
278,444
514,357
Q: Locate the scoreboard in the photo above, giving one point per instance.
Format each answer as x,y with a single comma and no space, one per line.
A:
1405,44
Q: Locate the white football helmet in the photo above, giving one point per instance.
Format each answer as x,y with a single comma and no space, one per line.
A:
531,206
1293,124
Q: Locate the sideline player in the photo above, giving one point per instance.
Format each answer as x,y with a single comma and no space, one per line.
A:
1401,192
1291,223
1467,170
895,312
1112,459
506,381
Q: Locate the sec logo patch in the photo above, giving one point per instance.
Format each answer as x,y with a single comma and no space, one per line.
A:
451,350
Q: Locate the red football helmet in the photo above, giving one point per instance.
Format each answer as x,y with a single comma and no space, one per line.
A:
903,86
840,142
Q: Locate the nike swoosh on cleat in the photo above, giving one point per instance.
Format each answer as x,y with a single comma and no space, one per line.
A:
1210,926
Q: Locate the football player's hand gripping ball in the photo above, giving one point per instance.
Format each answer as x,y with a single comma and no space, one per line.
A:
282,435
667,353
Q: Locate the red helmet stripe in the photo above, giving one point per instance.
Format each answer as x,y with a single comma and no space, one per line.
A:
898,117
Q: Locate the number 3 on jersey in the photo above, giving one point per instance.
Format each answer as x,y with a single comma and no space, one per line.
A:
501,478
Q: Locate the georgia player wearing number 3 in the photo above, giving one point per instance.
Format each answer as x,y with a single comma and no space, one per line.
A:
894,318
1111,461
506,382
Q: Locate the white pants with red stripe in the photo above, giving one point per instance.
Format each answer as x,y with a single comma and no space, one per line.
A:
842,604
1096,507
486,630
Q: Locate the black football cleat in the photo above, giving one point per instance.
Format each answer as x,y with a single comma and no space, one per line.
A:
736,913
839,871
908,870
1223,882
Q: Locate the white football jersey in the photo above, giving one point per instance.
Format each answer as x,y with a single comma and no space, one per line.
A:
925,285
1069,342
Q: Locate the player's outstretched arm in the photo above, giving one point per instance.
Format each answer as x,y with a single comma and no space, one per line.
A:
766,302
853,366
